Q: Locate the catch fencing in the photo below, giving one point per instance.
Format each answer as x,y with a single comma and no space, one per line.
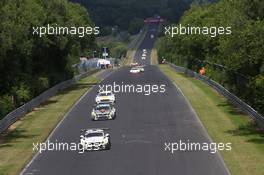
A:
258,118
16,114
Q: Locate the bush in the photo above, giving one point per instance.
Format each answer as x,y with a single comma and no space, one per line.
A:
21,94
241,53
6,105
29,63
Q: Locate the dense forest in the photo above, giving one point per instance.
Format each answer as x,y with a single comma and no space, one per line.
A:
236,60
130,14
29,64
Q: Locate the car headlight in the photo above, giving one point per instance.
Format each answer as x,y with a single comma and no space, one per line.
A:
112,112
93,113
82,141
105,141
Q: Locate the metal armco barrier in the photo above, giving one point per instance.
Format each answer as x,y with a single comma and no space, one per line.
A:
16,114
258,118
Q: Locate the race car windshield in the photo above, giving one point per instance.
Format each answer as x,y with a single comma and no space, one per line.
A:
104,94
97,134
102,107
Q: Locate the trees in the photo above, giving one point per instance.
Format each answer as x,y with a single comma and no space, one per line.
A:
240,54
135,25
30,64
129,14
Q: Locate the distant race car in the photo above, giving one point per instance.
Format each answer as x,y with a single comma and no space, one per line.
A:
134,70
134,64
95,139
143,58
137,69
103,112
144,55
105,97
144,50
141,68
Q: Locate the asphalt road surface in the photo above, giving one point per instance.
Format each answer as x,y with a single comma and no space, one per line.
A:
143,125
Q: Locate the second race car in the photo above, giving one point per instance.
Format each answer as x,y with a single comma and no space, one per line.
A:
103,112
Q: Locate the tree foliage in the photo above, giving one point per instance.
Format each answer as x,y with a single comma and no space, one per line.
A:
30,64
129,14
240,55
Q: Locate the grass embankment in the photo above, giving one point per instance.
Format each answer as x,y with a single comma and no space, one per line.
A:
134,47
129,57
106,40
224,123
16,146
154,57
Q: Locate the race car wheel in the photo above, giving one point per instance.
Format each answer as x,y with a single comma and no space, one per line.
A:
108,146
81,147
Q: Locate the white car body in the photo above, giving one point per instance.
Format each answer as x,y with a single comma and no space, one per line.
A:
144,55
141,68
134,64
137,69
143,58
144,50
95,139
105,97
103,112
134,70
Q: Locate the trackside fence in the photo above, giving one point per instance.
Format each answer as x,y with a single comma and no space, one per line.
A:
258,118
16,114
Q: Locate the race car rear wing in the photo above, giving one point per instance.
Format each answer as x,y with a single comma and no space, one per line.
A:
105,129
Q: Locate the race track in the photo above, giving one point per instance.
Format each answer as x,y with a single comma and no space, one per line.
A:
143,125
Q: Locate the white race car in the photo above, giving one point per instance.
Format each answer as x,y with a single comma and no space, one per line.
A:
95,139
134,64
134,70
144,55
143,58
105,97
141,68
103,112
137,69
144,50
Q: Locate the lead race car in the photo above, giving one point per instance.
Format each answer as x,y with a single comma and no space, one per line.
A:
137,69
105,97
95,139
103,111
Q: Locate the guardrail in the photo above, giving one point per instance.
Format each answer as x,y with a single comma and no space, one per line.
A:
258,118
18,113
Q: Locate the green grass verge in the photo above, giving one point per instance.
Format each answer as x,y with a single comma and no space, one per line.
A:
129,57
135,45
224,123
16,147
154,57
